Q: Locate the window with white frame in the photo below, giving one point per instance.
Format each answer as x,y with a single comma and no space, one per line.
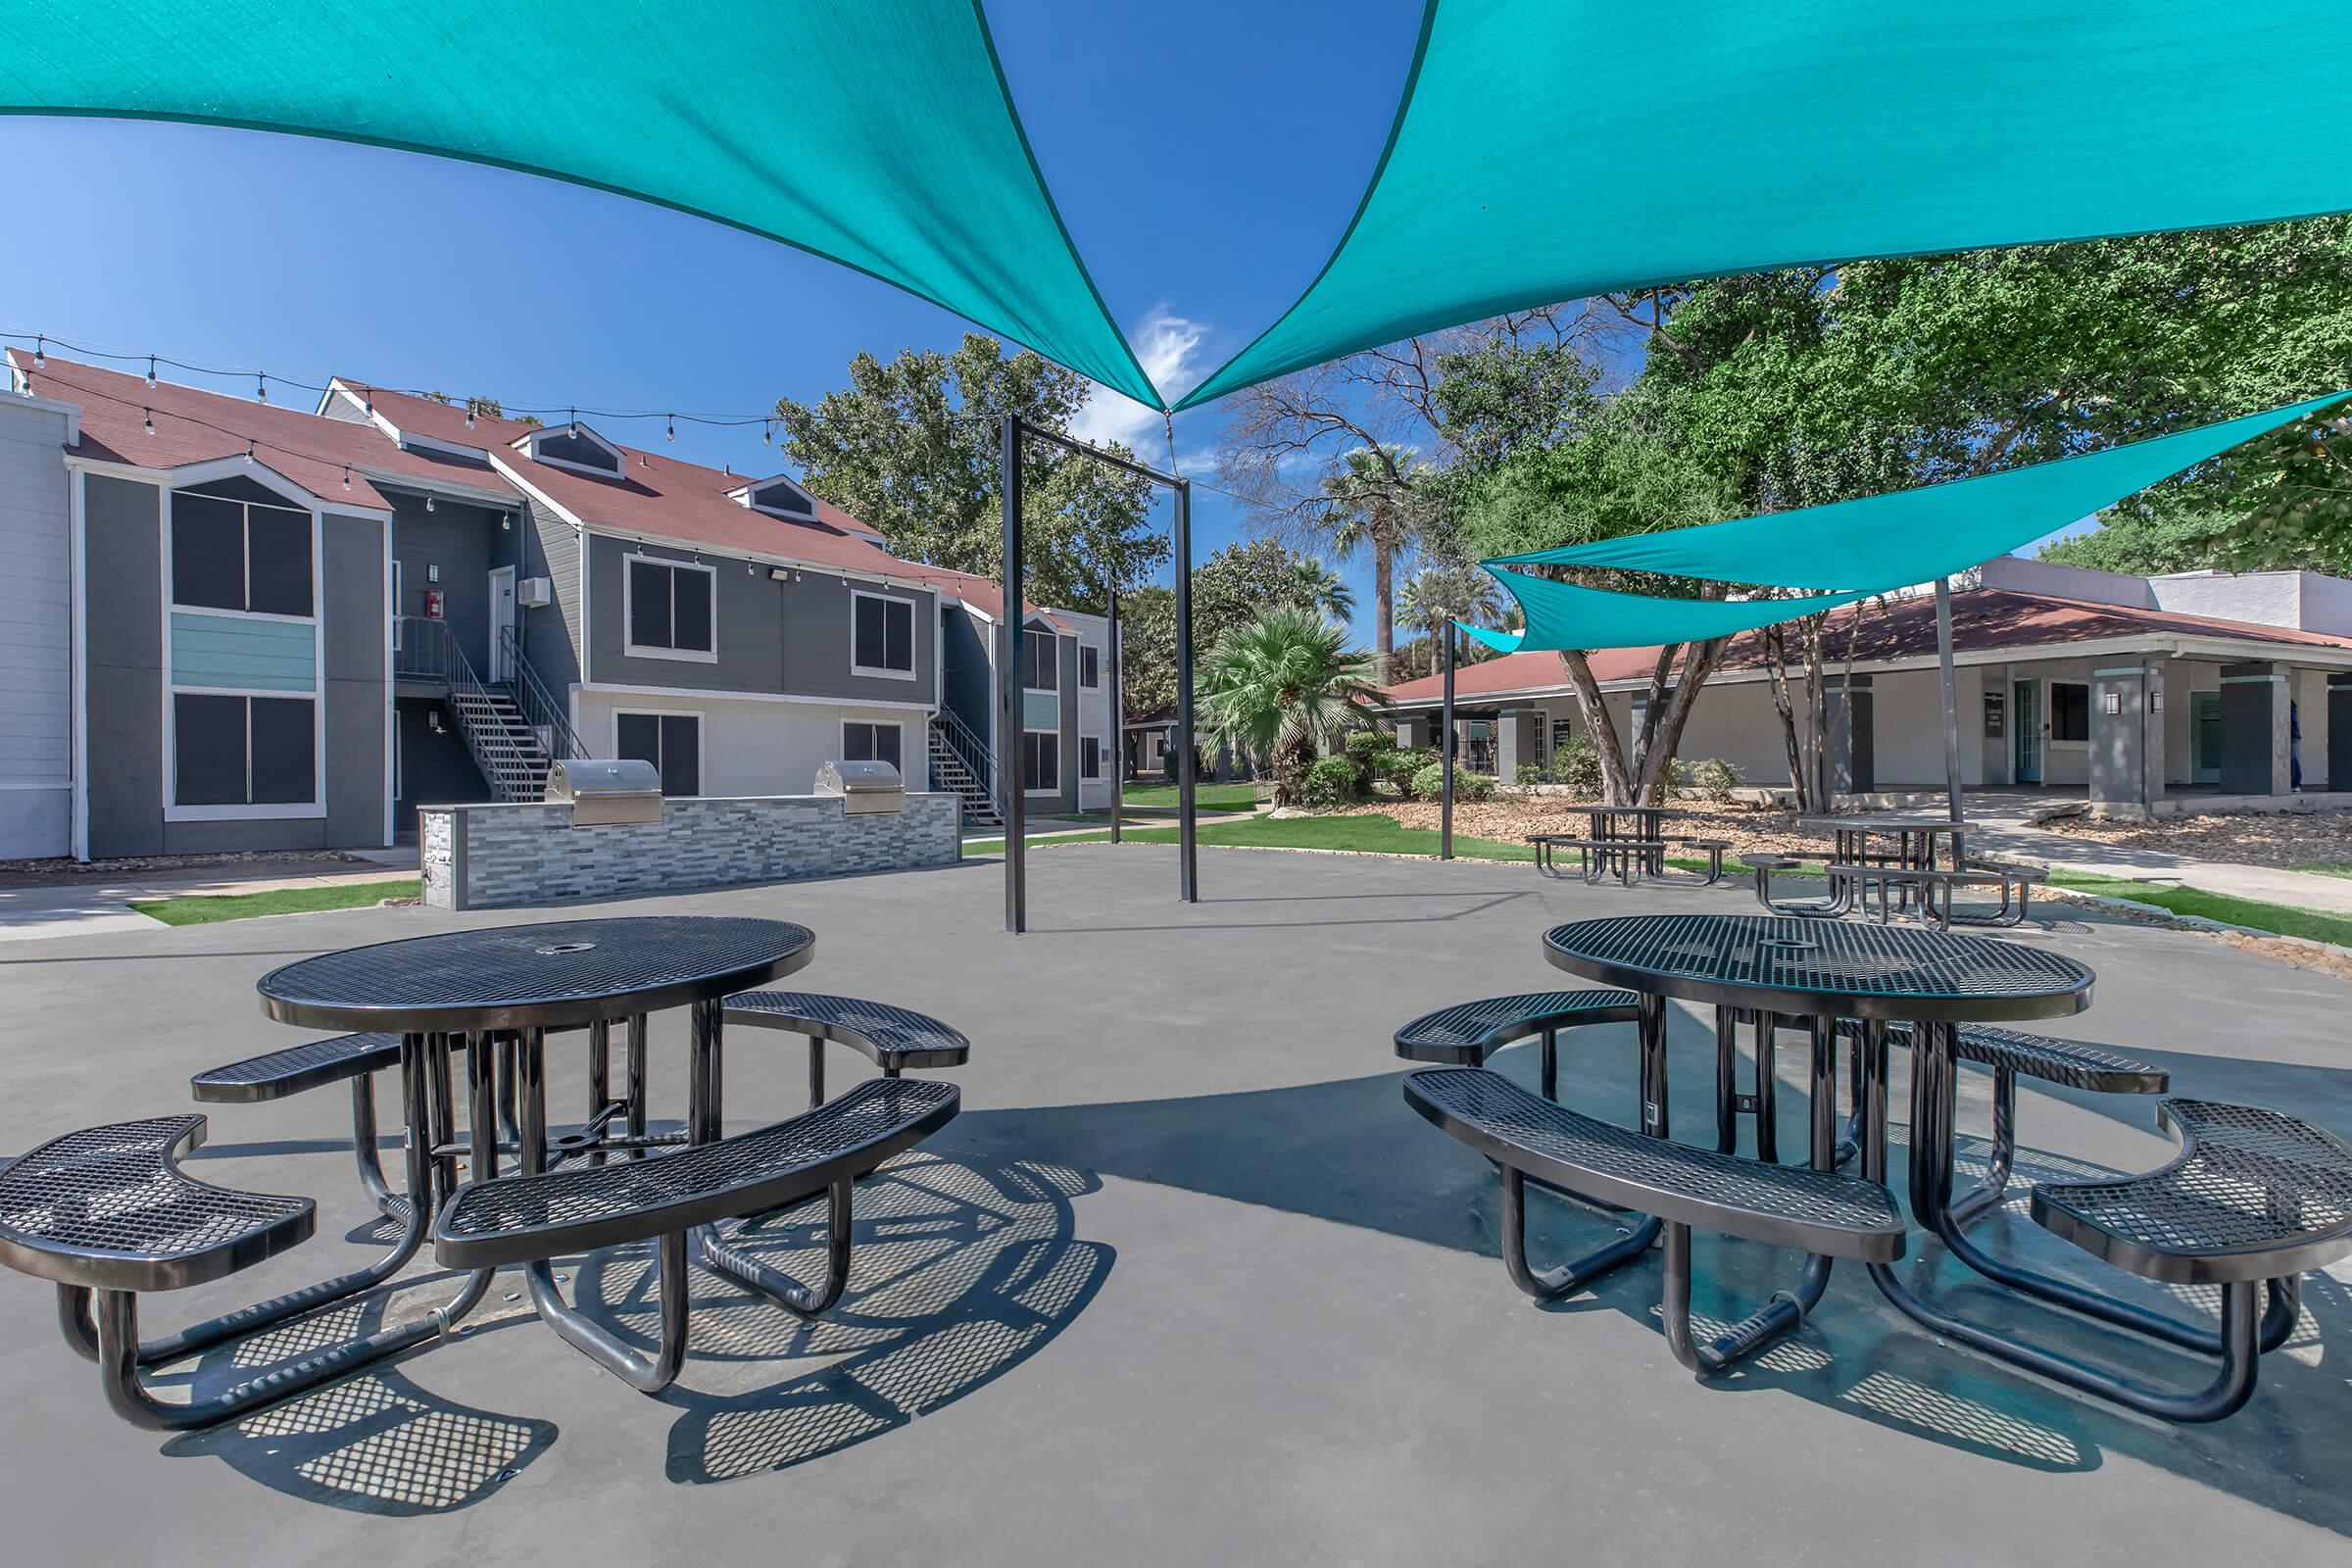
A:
881,635
1041,661
862,742
1090,666
672,610
1090,758
244,750
1041,762
251,556
2069,710
671,742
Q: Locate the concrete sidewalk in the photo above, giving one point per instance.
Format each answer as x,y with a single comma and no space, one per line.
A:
2014,838
104,905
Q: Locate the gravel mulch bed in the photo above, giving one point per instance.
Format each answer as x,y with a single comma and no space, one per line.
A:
2248,838
1748,830
62,870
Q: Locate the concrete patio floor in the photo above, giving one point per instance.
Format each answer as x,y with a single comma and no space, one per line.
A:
1186,1283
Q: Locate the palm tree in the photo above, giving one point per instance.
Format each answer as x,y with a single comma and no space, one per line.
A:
1436,594
1323,590
1283,684
1369,510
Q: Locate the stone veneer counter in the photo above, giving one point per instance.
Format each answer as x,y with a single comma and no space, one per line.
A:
509,856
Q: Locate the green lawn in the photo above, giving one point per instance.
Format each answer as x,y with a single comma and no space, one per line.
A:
278,901
1372,835
1206,796
2285,919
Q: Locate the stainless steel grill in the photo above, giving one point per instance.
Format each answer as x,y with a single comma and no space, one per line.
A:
603,790
862,786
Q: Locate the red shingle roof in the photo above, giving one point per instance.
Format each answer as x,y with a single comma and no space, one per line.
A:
193,425
1983,619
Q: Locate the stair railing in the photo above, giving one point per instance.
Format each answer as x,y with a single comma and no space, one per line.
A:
970,749
540,710
425,649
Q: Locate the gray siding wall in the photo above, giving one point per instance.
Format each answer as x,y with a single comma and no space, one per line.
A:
435,767
970,677
456,538
785,637
1067,666
550,637
36,603
126,673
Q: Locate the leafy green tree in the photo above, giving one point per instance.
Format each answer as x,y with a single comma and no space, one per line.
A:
2140,545
911,449
1373,511
1283,684
1229,590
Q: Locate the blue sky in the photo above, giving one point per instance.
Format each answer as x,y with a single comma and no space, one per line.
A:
1205,159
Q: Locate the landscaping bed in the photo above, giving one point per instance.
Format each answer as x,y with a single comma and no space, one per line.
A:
2313,838
1510,818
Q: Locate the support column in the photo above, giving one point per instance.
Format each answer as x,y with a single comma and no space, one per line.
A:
2254,730
2339,731
1515,732
2127,737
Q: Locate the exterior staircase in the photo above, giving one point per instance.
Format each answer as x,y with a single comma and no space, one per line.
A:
510,752
964,768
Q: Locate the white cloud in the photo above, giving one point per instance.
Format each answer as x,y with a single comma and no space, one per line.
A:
1166,345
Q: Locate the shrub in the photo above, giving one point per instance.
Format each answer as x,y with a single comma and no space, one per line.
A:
1402,766
1429,783
1368,747
1577,766
1330,781
1530,773
1713,778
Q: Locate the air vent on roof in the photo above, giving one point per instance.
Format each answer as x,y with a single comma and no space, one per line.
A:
779,496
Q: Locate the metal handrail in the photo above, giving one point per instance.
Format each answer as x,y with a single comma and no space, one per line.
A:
425,649
540,710
970,749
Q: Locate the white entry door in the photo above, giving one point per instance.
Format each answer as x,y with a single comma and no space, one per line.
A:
502,622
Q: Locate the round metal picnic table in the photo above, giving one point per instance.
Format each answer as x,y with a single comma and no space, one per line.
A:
1637,828
1824,972
1915,847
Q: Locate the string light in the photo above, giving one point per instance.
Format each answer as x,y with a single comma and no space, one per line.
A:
41,354
673,427
428,502
248,452
151,370
147,418
261,387
469,417
347,477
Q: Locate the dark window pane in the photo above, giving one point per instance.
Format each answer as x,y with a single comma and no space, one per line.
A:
1040,761
886,744
872,637
208,552
649,605
1090,758
279,568
857,742
285,751
691,599
899,655
1040,673
208,749
638,736
681,754
2069,711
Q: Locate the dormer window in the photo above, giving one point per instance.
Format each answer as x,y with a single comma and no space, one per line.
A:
576,447
778,497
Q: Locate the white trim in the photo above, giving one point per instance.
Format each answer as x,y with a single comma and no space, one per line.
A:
766,558
742,494
216,469
244,813
514,622
629,647
897,724
1101,755
176,607
28,400
914,639
702,731
529,441
471,495
1085,648
705,694
77,639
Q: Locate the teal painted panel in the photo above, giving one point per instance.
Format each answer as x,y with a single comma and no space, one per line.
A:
231,651
1041,710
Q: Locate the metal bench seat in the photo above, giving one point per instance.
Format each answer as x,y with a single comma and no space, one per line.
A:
2254,1195
1764,865
109,1208
1823,1212
1596,858
2075,1064
894,1039
1467,1033
297,1068
672,1199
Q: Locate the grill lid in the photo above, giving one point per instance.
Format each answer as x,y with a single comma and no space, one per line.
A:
574,778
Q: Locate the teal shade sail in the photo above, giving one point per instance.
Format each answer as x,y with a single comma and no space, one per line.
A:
1562,614
1556,149
1912,536
876,133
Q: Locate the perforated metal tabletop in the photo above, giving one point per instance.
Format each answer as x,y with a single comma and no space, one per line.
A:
535,976
1823,967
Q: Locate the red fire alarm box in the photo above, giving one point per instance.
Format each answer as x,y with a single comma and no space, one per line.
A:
432,604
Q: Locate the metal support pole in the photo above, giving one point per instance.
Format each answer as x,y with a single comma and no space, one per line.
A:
1445,758
1951,712
1117,761
1009,686
1188,867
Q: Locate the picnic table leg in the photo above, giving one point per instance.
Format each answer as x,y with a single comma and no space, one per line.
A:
635,1056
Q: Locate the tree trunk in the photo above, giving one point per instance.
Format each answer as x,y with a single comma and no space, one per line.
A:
1616,784
1383,612
1776,666
1663,735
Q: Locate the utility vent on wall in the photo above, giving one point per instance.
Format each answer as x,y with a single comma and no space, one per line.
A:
535,593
